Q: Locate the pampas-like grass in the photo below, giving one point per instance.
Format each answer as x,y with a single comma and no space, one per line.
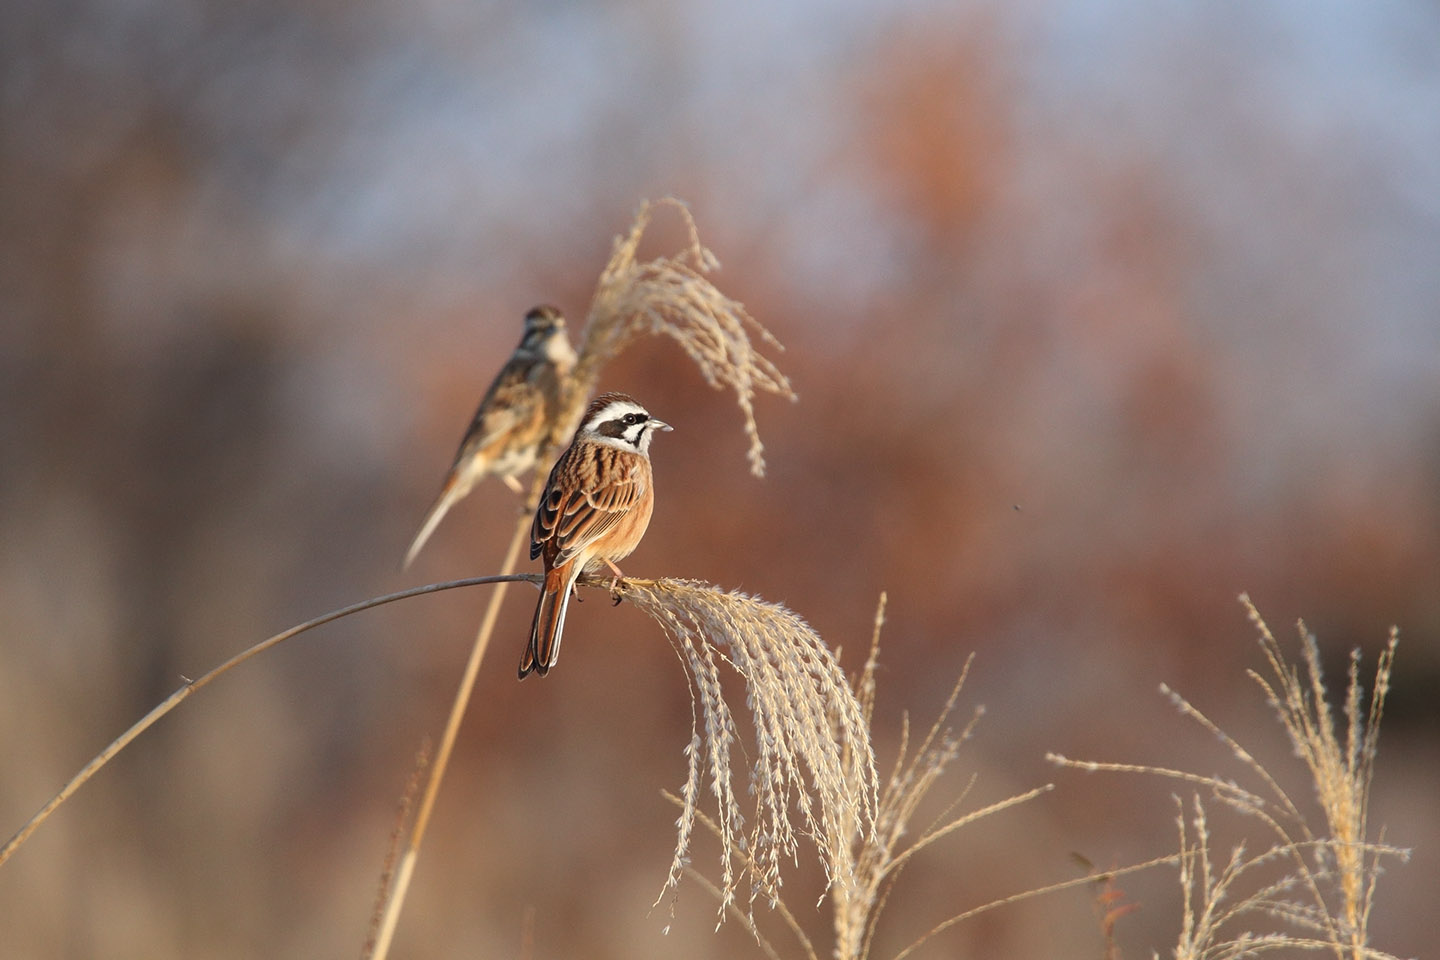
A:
1314,886
812,737
671,296
863,865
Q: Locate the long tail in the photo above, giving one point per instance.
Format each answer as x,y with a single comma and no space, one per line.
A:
549,622
452,493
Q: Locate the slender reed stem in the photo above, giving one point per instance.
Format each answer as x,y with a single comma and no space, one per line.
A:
190,686
1028,894
406,871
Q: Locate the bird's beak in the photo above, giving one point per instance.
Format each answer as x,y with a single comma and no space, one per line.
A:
660,424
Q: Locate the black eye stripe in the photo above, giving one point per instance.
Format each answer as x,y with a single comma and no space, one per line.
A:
619,423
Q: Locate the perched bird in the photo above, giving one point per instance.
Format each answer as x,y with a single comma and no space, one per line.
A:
510,426
594,510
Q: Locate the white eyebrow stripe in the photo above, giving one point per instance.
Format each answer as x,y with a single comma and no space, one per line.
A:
614,411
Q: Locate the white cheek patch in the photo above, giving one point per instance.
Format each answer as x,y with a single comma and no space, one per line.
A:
619,443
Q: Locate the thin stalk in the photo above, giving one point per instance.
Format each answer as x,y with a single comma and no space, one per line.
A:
1028,894
396,899
190,686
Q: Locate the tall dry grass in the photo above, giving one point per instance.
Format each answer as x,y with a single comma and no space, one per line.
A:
1306,883
862,865
1292,881
1297,883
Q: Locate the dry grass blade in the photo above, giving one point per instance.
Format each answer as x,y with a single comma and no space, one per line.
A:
1223,788
812,746
671,296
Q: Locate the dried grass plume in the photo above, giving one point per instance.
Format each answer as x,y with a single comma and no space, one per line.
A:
865,841
1307,887
812,738
672,296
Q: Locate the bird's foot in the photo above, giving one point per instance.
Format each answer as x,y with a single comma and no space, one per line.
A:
615,594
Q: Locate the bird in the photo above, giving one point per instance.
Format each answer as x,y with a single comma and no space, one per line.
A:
514,418
593,513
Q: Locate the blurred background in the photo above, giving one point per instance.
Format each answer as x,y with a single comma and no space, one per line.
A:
1099,314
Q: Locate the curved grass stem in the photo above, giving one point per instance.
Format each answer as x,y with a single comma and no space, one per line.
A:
190,686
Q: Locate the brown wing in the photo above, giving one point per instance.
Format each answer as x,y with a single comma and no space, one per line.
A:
582,501
512,410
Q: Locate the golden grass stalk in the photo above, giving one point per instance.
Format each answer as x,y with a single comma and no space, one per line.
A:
1341,771
394,888
1314,886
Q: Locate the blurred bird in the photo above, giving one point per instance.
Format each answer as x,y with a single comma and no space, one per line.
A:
511,424
594,511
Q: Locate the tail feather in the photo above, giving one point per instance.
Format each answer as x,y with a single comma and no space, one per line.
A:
452,493
549,623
